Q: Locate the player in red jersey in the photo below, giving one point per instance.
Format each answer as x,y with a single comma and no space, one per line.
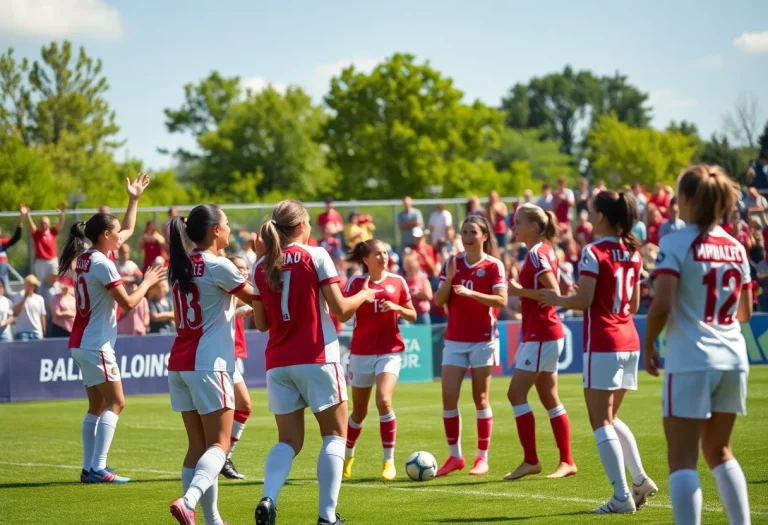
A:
609,293
98,291
702,295
474,287
202,361
376,348
295,286
242,397
543,341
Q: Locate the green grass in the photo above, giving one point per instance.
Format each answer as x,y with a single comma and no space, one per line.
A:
40,455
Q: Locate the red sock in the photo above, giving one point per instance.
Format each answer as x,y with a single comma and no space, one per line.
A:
452,424
484,428
526,430
561,428
353,432
388,431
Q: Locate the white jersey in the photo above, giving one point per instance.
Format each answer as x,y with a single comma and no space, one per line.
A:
703,332
95,326
205,337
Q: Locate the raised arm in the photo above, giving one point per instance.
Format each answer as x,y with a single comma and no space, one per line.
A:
25,211
134,190
60,224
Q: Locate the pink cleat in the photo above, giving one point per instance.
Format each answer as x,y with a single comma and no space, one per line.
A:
451,464
182,514
479,468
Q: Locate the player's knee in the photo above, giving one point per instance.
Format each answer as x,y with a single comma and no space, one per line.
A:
117,406
516,397
481,400
716,454
384,405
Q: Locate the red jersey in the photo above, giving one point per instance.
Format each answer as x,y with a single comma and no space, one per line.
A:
584,233
152,250
540,323
328,216
425,251
653,232
499,222
470,321
376,332
45,243
300,327
661,201
241,351
608,324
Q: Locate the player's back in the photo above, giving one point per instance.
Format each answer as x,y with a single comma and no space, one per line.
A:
205,338
300,327
95,325
608,325
703,332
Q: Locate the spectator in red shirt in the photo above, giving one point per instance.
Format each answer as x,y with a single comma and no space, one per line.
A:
153,244
419,286
660,199
44,237
655,220
427,256
497,216
564,200
330,217
584,229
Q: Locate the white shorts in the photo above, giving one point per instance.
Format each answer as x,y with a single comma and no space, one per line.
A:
317,386
363,369
695,395
471,355
97,366
237,377
200,391
611,370
539,356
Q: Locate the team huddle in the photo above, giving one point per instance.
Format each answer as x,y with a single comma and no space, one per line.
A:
294,293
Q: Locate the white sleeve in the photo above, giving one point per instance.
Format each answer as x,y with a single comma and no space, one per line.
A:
589,265
668,260
227,276
107,274
541,262
746,270
326,270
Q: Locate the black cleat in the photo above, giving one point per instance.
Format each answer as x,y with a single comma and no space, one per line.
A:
265,512
229,471
323,521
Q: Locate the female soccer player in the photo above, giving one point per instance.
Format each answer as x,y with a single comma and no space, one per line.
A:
609,293
295,285
474,287
376,348
242,398
203,355
98,291
702,295
542,344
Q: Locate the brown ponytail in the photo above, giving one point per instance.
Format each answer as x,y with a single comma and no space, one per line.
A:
711,193
620,209
276,232
545,220
360,252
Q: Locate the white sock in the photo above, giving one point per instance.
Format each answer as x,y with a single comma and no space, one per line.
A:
105,431
208,502
237,432
558,411
631,453
732,486
486,413
521,410
609,449
89,437
206,472
455,449
685,493
276,470
330,465
186,478
389,453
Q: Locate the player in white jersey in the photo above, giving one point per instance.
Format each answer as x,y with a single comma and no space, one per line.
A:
296,286
202,359
702,296
98,291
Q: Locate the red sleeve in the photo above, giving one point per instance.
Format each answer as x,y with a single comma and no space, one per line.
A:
330,280
352,287
113,284
237,288
54,231
405,294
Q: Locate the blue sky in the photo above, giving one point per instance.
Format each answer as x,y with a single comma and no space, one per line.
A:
695,58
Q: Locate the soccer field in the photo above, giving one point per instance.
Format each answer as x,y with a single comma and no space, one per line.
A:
40,458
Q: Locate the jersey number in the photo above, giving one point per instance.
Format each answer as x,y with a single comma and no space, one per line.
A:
188,306
285,278
468,284
82,299
624,289
726,311
378,304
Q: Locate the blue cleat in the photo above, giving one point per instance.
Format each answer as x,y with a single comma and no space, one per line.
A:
83,476
106,476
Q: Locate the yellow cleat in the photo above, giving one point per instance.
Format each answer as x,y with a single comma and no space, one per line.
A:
348,462
388,473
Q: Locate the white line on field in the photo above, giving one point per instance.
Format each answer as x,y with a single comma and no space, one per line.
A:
465,492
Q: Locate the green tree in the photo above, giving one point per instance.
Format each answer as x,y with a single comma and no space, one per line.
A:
719,151
684,127
404,127
622,155
546,162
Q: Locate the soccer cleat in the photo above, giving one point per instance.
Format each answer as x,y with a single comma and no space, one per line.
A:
265,513
523,470
641,493
563,470
348,462
451,464
388,473
614,506
479,468
323,521
182,514
83,476
106,476
229,471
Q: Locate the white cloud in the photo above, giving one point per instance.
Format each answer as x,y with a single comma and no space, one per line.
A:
752,42
60,18
320,78
709,63
669,99
259,84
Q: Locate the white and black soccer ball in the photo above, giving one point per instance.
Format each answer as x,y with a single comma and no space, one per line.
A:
421,466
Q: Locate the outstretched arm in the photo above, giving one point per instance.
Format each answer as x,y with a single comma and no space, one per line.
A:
134,190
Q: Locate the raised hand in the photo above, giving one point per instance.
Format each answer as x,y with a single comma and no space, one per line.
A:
23,209
450,271
370,295
137,187
154,274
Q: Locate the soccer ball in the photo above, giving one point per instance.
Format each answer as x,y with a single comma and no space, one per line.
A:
421,466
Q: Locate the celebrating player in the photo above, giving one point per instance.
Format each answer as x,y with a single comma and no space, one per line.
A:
98,291
294,286
543,342
473,286
702,296
376,347
242,398
203,355
609,293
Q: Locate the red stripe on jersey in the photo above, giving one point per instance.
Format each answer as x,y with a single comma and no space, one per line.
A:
669,395
666,271
113,284
330,280
237,288
104,366
241,350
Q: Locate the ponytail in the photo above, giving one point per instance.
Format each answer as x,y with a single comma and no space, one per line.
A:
550,229
360,252
620,210
545,220
180,267
273,256
82,237
710,192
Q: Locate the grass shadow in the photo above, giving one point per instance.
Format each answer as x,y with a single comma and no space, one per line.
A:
504,519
